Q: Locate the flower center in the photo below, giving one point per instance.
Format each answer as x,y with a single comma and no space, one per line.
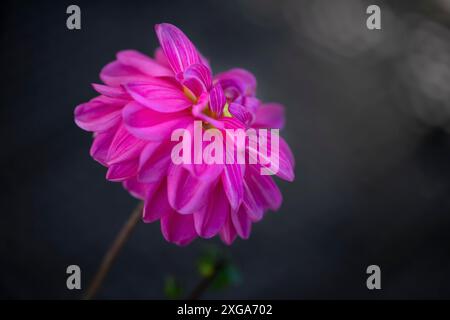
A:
189,94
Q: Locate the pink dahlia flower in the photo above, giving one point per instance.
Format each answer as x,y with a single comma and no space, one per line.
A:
143,100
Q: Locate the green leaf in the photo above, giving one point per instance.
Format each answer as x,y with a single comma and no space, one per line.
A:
172,288
228,275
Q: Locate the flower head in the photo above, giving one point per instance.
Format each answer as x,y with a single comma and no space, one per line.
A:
143,100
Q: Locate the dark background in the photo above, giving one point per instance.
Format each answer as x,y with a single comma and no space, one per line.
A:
368,118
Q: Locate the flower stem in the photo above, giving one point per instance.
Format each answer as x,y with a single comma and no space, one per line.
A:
113,251
203,285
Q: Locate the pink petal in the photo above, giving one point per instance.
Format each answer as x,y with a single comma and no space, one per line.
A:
232,177
197,111
228,232
115,74
148,124
100,146
197,78
178,228
237,81
217,99
270,115
160,57
250,103
135,188
99,114
241,222
205,171
264,190
143,63
154,161
241,113
255,209
122,171
187,194
156,203
211,218
179,50
285,158
124,146
159,95
112,92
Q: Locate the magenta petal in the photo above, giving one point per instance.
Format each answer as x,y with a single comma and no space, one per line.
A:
187,194
156,203
124,146
179,50
238,80
160,57
135,188
255,209
264,190
197,78
100,147
112,92
178,228
241,222
228,232
144,64
154,161
210,219
150,125
122,171
115,74
217,99
241,113
232,183
159,95
99,114
270,115
284,158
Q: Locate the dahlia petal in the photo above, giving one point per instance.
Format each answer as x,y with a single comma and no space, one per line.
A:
207,170
284,158
228,232
124,146
179,50
211,218
254,209
270,115
99,114
237,80
187,193
135,188
154,161
112,92
115,74
160,57
232,183
178,228
122,170
159,95
217,99
148,124
251,104
197,111
241,222
156,203
100,146
264,190
197,78
241,113
143,63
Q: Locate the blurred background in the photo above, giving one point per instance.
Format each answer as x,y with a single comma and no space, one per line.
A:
368,119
